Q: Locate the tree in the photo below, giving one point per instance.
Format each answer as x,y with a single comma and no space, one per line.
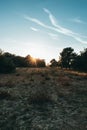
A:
67,57
54,63
40,63
81,61
6,64
30,61
1,52
19,61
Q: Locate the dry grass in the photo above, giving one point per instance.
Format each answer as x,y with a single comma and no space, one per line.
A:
5,95
46,99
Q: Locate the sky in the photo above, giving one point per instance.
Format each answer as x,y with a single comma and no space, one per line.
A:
42,28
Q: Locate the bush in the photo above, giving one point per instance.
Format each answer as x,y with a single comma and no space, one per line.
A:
6,65
40,63
42,94
39,97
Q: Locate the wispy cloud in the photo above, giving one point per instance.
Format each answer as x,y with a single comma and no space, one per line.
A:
56,27
51,17
34,29
55,24
34,20
81,40
65,30
77,20
42,24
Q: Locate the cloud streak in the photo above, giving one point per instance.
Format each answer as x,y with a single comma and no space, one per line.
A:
81,40
34,29
77,20
56,27
42,24
65,30
34,20
55,24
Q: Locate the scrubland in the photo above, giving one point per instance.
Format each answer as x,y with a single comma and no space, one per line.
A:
43,99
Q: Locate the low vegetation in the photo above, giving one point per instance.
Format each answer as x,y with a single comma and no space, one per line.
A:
43,99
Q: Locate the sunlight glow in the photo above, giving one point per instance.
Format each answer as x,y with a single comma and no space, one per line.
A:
33,60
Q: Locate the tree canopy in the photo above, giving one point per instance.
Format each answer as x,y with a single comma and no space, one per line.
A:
66,57
9,62
69,59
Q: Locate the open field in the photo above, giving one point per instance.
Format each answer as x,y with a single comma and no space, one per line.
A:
43,99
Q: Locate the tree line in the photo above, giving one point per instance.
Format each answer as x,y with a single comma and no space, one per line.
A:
68,59
9,62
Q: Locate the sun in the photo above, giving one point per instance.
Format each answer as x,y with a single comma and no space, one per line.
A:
33,60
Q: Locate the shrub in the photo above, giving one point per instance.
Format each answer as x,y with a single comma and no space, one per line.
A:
39,98
6,65
42,94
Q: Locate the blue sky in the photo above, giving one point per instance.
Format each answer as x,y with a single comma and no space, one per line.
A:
42,28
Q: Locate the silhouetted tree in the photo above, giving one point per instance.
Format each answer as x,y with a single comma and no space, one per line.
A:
18,61
30,61
84,59
81,61
1,52
6,64
54,63
67,57
40,63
